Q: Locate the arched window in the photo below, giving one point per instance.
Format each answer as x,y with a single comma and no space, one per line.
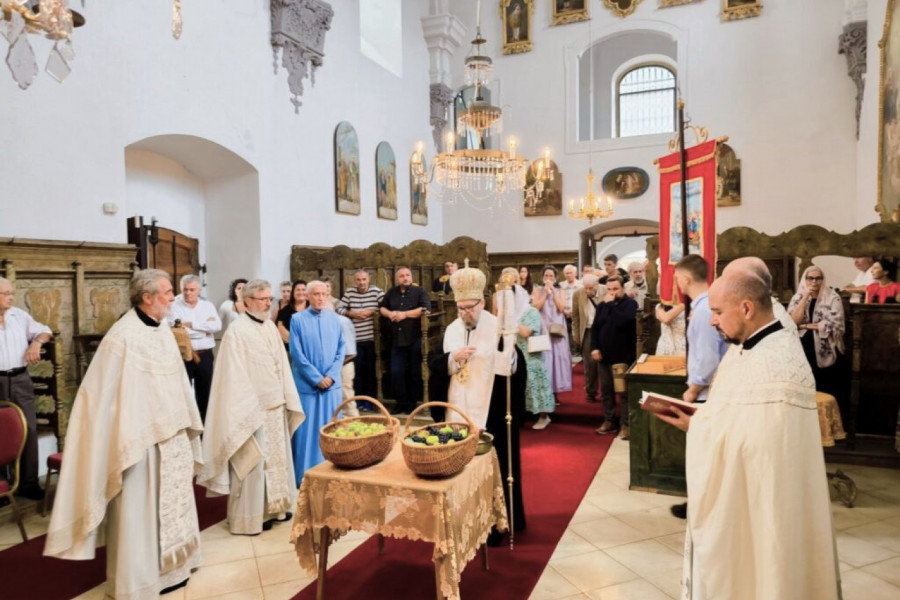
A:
645,101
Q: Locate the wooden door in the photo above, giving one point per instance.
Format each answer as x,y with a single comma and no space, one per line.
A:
166,249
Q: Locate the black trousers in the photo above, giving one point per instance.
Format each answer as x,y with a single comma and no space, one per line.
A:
364,363
200,375
406,374
19,390
608,393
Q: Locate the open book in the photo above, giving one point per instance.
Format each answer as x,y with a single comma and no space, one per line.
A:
658,403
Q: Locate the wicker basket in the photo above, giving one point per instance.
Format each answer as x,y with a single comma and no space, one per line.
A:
358,452
442,460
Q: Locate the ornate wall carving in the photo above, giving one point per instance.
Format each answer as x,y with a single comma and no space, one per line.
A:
76,289
424,258
852,44
298,29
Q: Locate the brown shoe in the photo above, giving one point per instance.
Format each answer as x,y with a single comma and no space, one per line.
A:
607,427
623,433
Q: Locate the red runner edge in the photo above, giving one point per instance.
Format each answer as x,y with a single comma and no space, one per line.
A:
558,466
29,575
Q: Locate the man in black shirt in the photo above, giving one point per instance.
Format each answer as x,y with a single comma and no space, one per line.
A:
442,283
614,340
403,304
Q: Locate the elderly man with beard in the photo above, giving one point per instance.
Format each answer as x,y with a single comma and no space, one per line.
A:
131,452
636,286
479,353
253,410
759,518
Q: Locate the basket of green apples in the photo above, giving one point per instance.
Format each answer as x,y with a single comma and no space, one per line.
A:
442,449
356,442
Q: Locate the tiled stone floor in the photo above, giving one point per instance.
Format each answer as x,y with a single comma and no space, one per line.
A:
620,545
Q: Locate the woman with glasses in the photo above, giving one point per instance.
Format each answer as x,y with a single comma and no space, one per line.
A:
819,314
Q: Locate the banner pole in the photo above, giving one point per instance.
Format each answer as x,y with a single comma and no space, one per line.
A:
684,205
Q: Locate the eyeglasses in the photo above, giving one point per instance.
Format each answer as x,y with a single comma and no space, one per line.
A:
467,309
266,299
812,278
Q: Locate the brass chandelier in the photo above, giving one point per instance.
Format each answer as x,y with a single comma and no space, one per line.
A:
479,176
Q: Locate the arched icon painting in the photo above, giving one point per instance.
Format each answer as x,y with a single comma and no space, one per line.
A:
346,169
386,181
625,182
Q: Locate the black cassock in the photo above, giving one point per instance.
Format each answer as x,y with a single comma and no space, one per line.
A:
438,386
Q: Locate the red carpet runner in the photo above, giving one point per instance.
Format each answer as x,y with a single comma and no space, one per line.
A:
558,465
28,575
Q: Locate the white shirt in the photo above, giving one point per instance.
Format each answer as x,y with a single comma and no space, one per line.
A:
863,279
19,330
569,289
204,320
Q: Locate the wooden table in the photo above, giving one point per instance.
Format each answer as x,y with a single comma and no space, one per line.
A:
455,514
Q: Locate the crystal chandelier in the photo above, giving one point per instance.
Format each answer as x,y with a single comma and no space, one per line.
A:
477,175
53,19
590,207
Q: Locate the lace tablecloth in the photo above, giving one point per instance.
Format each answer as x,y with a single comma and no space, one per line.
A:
455,514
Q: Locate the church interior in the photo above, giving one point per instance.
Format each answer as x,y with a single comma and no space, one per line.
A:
309,139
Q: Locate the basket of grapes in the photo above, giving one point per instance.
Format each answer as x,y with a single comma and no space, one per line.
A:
442,449
356,442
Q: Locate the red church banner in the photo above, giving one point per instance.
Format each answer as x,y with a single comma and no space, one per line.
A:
701,213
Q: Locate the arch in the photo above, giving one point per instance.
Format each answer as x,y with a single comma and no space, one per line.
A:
202,189
610,228
575,115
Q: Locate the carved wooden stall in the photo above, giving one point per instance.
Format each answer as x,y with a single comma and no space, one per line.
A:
426,261
535,261
76,289
872,400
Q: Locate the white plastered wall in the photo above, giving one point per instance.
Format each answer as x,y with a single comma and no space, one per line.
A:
774,84
132,81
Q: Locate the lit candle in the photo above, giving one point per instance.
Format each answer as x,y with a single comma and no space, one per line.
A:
512,147
571,205
449,140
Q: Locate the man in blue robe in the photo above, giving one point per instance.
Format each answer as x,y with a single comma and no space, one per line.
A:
317,353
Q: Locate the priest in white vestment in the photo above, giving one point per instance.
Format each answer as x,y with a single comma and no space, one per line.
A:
479,353
759,515
132,448
253,410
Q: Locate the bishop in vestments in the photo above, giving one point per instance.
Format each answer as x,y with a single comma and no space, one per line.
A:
479,355
131,453
253,410
317,350
759,514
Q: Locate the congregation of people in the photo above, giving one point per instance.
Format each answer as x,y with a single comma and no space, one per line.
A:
286,364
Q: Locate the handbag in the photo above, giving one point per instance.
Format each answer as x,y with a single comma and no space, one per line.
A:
557,330
538,343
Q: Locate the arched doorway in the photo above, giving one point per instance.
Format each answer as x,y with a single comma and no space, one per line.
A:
203,190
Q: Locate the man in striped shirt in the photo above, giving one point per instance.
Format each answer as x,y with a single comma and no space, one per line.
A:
360,305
